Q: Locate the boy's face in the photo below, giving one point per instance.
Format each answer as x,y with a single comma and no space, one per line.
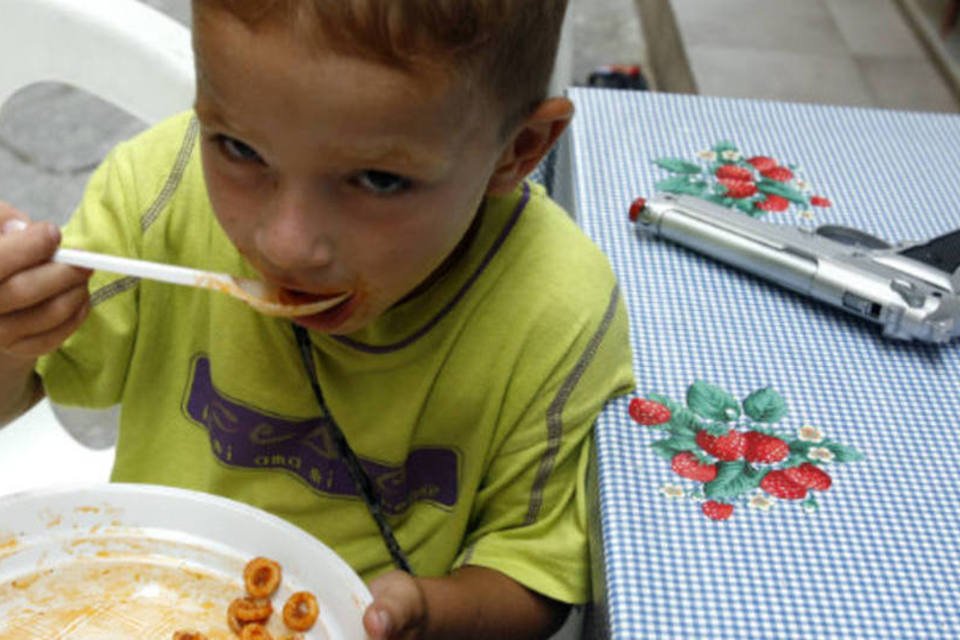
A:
332,174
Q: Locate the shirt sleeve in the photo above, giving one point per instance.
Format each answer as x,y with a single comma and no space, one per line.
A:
122,196
532,515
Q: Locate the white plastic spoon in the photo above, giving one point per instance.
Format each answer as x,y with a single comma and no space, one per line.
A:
259,295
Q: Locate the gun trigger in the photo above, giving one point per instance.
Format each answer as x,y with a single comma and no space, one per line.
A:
851,237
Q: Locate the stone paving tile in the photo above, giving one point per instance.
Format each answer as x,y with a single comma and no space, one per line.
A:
795,26
847,52
875,28
779,75
912,85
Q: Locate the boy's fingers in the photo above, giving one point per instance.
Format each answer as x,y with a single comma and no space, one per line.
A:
398,610
41,329
40,345
29,246
12,225
8,212
32,287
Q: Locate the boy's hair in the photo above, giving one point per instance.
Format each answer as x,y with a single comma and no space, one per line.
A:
507,48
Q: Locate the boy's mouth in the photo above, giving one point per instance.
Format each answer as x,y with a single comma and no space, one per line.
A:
330,319
295,297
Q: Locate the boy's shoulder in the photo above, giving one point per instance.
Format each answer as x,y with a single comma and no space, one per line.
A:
157,148
551,256
167,133
156,163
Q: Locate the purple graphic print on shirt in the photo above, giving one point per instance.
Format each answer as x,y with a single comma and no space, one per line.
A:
242,436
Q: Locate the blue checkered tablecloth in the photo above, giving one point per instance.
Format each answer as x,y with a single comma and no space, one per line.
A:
881,556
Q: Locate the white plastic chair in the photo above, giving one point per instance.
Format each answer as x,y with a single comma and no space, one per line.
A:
139,60
122,51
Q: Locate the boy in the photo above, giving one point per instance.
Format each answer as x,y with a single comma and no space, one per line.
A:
377,149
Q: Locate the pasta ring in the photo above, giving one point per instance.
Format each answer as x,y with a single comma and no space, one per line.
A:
261,577
252,609
301,611
235,625
188,635
255,631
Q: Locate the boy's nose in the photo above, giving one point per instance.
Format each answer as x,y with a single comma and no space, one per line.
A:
294,233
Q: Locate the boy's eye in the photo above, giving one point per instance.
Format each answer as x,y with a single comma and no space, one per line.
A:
381,183
237,150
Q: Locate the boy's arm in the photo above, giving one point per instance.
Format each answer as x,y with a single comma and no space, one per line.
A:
20,387
472,602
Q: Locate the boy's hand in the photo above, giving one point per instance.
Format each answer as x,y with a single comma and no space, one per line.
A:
41,303
399,609
471,603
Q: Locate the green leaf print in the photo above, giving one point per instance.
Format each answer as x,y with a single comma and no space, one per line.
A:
662,449
669,447
732,481
795,460
681,185
765,405
681,443
666,401
678,165
712,402
782,190
725,145
842,452
684,421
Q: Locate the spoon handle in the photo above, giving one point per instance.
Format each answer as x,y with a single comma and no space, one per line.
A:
139,268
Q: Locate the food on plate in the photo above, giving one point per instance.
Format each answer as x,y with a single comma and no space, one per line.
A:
255,631
261,577
248,609
248,615
301,611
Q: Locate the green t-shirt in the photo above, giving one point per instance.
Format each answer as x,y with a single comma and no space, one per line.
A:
470,404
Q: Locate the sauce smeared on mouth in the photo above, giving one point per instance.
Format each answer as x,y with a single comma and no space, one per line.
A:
272,300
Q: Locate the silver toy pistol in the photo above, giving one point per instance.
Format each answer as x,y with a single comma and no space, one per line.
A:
912,290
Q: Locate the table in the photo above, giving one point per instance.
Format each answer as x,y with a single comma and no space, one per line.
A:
877,555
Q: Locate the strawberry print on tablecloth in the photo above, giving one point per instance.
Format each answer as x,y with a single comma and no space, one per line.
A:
756,184
725,454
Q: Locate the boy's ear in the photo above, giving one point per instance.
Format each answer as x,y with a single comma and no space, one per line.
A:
529,143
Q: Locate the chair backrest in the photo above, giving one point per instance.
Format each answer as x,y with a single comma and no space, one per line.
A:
121,51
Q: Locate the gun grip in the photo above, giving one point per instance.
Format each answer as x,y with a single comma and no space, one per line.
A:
942,252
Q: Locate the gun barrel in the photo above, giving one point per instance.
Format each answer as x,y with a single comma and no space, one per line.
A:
908,303
684,223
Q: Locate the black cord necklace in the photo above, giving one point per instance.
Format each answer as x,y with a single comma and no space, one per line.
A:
360,478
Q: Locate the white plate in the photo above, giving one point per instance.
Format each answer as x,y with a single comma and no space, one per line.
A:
141,561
